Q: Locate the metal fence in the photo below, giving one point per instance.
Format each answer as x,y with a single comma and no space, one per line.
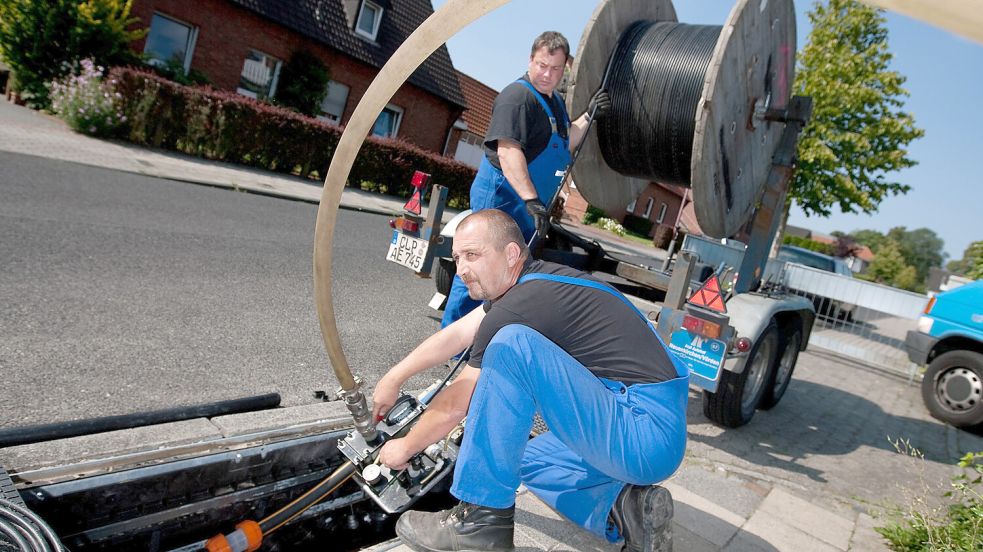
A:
860,320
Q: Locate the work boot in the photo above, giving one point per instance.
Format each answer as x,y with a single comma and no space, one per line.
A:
464,527
643,516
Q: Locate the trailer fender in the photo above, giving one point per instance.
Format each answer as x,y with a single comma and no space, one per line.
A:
750,314
450,228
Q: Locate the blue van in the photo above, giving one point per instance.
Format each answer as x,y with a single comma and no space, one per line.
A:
949,339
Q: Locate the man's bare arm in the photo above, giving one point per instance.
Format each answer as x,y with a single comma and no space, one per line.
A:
434,350
515,169
448,408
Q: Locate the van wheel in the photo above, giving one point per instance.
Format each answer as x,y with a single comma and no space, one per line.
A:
738,395
953,388
443,275
781,374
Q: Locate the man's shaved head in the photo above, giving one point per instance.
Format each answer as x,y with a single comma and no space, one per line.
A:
499,229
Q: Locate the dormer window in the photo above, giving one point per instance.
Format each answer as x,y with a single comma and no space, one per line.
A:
369,18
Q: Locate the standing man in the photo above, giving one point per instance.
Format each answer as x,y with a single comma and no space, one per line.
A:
527,150
554,341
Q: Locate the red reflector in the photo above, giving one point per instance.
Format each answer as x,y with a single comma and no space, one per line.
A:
708,296
392,223
743,344
420,179
410,225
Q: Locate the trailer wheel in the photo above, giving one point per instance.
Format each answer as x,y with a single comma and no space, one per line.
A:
953,388
781,374
443,275
738,395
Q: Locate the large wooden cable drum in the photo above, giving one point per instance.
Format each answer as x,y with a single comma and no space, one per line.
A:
677,101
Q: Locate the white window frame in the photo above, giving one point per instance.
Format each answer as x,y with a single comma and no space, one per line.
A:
662,213
376,22
331,117
189,46
398,111
273,82
631,206
648,207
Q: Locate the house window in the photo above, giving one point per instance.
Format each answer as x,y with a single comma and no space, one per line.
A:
333,105
631,206
170,42
648,207
387,125
369,17
260,73
662,213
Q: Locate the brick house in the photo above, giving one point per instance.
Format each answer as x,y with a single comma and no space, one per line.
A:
466,138
241,45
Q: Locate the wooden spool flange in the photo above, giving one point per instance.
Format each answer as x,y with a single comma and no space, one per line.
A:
751,70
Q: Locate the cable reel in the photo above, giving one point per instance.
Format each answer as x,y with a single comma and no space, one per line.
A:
689,105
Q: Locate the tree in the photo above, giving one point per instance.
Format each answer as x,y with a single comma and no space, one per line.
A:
887,263
858,132
971,265
304,83
921,249
871,238
42,41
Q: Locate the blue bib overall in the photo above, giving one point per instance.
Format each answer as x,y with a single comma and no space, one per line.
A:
490,190
602,433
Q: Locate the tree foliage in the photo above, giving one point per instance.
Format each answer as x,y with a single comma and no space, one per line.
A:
43,41
889,267
858,132
971,264
921,248
303,83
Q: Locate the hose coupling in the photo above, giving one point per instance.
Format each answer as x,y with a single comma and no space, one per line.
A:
357,405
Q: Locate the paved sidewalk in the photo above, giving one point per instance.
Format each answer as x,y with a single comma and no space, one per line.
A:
800,477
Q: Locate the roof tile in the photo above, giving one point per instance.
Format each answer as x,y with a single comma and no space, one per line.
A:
325,21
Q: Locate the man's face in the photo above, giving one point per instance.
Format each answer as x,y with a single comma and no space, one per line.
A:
546,69
483,269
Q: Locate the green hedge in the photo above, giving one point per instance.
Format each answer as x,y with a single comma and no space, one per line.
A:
638,225
805,243
225,126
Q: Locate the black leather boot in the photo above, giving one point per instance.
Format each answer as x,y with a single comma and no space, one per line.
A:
465,527
643,516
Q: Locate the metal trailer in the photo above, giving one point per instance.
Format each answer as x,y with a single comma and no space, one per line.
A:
745,365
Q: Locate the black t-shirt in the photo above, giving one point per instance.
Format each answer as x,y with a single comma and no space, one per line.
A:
518,116
593,326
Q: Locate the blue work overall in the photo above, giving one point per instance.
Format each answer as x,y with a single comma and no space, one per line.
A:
602,433
490,190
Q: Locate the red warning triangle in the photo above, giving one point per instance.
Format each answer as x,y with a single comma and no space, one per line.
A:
413,205
708,296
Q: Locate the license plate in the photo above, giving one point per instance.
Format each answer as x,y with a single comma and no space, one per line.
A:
407,251
704,356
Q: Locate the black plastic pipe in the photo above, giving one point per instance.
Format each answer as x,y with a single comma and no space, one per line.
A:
34,434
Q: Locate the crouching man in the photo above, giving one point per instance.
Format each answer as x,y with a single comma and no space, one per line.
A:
552,340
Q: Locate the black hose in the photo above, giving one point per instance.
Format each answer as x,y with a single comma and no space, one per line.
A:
26,531
46,432
655,86
310,498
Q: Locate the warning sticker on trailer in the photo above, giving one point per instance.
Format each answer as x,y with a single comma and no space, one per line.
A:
702,355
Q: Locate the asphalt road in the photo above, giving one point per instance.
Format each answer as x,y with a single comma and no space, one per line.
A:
123,293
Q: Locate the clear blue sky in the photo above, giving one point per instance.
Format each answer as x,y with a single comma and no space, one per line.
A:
945,79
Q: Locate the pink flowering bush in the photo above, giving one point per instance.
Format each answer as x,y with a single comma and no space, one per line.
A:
86,102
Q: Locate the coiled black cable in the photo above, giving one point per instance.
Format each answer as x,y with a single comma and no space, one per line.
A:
25,530
655,85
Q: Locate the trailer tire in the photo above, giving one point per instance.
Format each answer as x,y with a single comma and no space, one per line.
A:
953,388
781,372
443,275
738,395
